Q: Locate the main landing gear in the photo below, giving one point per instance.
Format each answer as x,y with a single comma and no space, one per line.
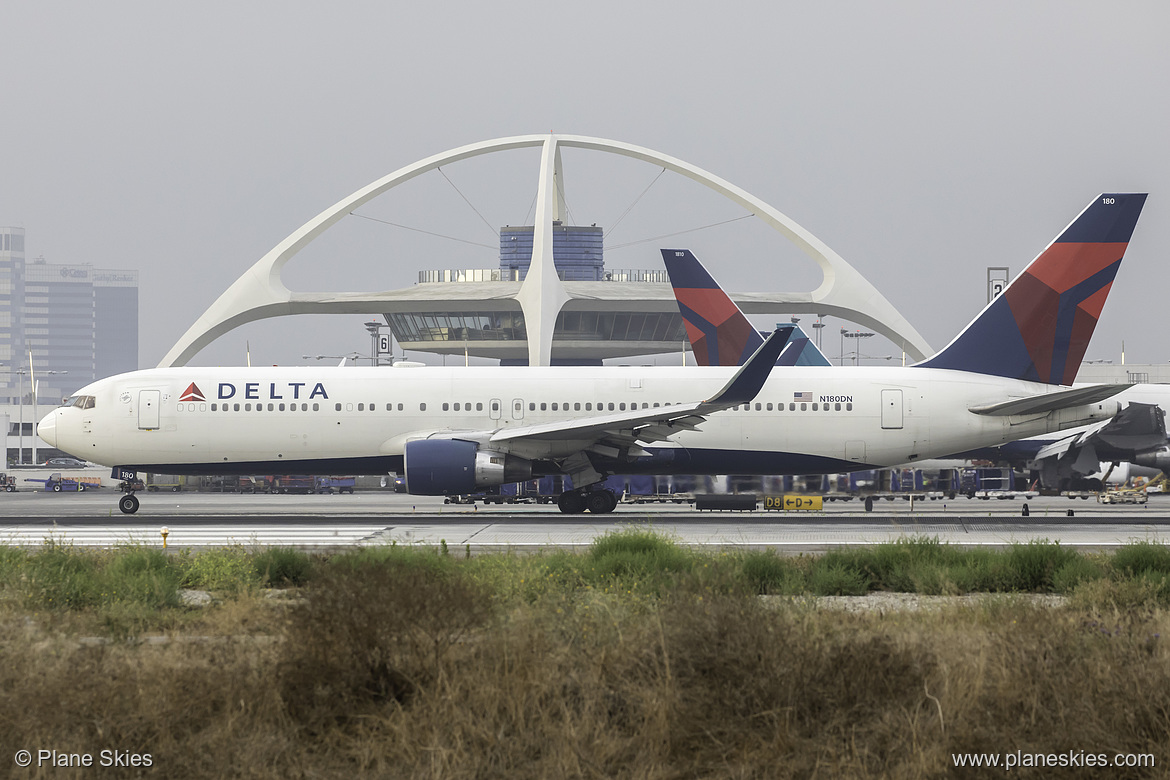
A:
598,502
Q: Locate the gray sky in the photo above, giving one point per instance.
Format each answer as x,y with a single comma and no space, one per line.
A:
921,141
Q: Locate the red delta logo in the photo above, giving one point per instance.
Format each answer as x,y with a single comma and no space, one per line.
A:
192,393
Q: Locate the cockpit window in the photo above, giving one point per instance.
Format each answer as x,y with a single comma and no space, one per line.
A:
70,400
80,401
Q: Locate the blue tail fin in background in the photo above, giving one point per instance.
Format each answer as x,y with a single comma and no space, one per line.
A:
720,334
1039,327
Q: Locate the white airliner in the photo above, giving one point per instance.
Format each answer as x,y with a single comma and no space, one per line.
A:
452,430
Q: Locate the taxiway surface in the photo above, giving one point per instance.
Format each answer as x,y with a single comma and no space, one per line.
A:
338,521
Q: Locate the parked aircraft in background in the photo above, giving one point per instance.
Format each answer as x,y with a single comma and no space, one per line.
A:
719,331
1134,442
452,430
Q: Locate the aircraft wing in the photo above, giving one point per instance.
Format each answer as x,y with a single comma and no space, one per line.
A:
627,429
1077,439
1050,402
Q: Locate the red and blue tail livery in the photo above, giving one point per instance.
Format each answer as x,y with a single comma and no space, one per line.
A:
1039,328
719,333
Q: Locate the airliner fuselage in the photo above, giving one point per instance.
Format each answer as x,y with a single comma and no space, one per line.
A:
359,420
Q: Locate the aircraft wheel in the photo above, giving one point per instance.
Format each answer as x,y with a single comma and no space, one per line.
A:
571,502
869,503
600,502
128,504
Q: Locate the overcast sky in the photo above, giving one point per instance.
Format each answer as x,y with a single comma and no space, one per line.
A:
923,142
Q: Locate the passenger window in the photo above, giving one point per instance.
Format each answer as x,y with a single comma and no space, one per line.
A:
769,406
457,406
422,407
622,406
446,406
213,408
588,406
479,407
531,406
247,407
849,407
237,407
838,407
792,407
316,407
543,406
576,407
271,407
759,406
804,407
611,406
554,406
337,407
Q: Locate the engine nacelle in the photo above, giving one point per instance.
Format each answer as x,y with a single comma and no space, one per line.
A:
444,467
1158,459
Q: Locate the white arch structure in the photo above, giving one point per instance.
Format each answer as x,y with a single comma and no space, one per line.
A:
259,293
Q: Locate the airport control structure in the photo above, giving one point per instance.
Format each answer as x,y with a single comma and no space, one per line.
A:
551,300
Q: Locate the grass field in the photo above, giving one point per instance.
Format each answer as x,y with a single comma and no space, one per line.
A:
638,658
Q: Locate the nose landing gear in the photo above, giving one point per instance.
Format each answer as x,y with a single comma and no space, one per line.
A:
130,482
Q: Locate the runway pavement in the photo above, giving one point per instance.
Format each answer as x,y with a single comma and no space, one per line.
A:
339,521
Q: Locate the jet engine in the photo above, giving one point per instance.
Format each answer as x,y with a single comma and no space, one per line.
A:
442,467
1157,459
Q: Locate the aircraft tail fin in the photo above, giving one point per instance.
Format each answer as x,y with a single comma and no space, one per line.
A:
719,332
1039,327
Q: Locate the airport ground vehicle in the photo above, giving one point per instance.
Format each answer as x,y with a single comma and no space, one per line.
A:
57,483
1123,496
157,482
340,484
8,483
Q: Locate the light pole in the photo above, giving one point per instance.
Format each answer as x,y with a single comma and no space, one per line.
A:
857,334
375,329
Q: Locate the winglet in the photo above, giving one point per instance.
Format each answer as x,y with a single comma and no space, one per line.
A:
1039,328
750,378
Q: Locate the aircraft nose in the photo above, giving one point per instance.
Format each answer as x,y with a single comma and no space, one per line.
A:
47,429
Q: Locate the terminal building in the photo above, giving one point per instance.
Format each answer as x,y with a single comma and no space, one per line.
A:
613,313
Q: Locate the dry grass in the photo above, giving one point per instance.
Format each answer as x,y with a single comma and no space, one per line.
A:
401,665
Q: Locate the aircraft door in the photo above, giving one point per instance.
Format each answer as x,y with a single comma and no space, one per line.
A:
148,409
891,409
517,408
494,408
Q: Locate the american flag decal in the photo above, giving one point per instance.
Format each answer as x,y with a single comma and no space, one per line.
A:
802,396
